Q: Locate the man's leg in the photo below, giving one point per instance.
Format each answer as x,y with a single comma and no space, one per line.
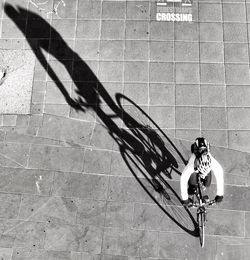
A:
192,183
207,180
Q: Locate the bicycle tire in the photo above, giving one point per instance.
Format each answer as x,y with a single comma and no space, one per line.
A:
201,226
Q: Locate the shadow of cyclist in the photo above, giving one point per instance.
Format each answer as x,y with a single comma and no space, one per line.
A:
139,143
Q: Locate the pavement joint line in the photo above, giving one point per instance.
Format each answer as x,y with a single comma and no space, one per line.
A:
199,55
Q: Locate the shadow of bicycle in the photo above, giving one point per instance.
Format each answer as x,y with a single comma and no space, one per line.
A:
148,152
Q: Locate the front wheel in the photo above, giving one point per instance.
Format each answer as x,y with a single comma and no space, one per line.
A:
201,226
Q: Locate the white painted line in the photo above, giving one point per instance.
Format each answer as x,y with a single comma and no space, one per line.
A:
161,4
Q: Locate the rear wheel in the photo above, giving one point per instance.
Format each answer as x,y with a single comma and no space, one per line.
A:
201,226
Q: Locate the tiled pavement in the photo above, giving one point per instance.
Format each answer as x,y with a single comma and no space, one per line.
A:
68,188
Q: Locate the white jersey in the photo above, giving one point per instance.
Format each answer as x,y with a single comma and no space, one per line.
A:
189,169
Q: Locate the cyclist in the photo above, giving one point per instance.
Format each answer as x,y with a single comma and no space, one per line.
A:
201,162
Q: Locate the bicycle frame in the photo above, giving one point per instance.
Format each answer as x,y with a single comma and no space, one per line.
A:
201,204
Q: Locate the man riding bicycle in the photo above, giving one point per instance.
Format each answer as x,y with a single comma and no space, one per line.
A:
203,163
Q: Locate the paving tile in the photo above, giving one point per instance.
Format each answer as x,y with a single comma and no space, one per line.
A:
186,32
119,166
216,137
163,116
88,116
9,205
6,253
187,117
232,248
89,10
213,118
237,74
235,32
210,12
247,228
61,237
112,88
136,71
53,93
88,50
247,10
212,73
236,52
42,209
161,51
187,134
161,94
238,118
88,29
211,32
33,254
152,217
67,11
57,110
2,136
97,161
113,10
136,50
56,158
24,234
233,200
187,73
225,223
112,30
67,130
213,95
211,52
161,72
24,181
37,97
158,31
178,245
10,30
119,215
233,162
186,51
111,50
187,95
80,185
101,139
137,92
111,71
12,44
17,153
234,12
138,30
36,109
86,256
65,28
238,95
9,120
91,212
129,242
138,11
127,189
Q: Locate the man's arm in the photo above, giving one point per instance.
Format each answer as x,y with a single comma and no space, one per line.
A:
219,176
187,172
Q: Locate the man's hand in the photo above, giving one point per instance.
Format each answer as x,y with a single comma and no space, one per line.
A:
187,203
218,198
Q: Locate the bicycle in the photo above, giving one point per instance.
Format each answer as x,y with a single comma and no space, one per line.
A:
201,202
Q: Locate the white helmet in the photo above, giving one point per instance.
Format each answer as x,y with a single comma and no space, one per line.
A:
204,164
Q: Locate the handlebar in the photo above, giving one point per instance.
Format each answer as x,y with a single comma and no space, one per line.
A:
205,203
